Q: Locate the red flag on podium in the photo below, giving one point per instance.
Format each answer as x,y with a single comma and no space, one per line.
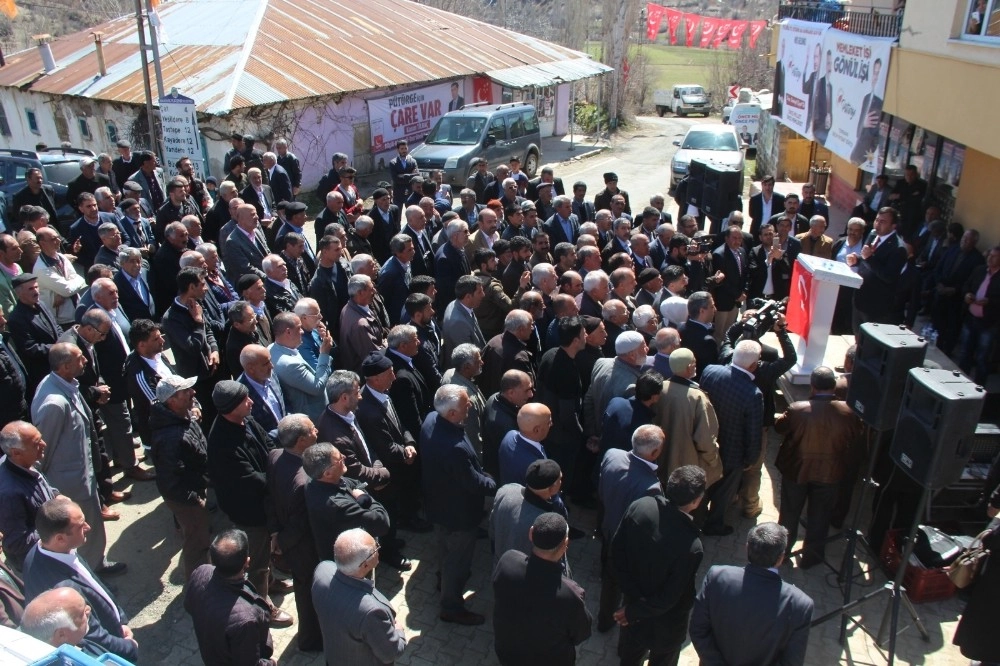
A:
799,310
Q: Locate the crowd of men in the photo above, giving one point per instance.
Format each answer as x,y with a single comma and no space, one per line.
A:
410,365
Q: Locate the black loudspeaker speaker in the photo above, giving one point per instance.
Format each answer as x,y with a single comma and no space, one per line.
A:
885,354
937,426
721,191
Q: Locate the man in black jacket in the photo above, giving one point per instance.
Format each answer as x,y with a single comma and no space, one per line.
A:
33,327
180,454
880,264
655,555
500,417
696,332
539,614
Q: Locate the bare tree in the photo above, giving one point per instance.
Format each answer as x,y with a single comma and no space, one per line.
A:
746,67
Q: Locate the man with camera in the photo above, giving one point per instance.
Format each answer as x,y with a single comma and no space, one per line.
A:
770,267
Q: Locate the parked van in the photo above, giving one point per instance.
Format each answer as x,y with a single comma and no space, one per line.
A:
690,98
496,132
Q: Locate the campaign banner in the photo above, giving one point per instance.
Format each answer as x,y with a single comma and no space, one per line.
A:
756,27
690,25
736,35
722,32
409,115
854,76
801,92
674,18
654,16
746,119
708,26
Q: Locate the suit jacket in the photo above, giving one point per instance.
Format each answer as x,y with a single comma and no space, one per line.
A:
383,430
472,219
459,326
303,388
362,462
880,272
261,412
781,273
820,441
411,394
740,408
423,256
360,334
111,355
287,514
142,179
279,299
747,616
13,384
357,621
34,331
130,302
164,266
502,353
623,480
449,265
393,284
557,234
331,293
46,198
387,225
250,196
42,573
700,341
280,182
90,241
454,485
242,256
11,599
737,275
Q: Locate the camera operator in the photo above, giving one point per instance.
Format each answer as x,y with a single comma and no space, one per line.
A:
771,367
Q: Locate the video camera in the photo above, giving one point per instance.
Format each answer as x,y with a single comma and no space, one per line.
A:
762,320
701,245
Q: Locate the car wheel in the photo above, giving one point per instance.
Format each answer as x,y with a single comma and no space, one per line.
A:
681,114
660,111
531,164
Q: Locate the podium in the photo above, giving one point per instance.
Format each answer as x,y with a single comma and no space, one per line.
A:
816,282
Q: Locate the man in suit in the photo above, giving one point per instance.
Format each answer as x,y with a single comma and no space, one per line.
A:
869,119
86,229
55,561
731,292
508,351
876,197
748,615
655,555
134,296
799,222
386,218
13,379
165,265
810,205
457,101
483,237
880,265
770,268
584,210
33,328
450,262
394,278
329,285
982,296
303,387
23,489
822,103
359,624
150,178
519,448
764,205
459,324
480,180
281,293
361,332
289,522
415,228
815,242
401,169
246,247
545,176
740,408
264,388
34,193
178,205
563,226
411,390
696,332
88,181
454,488
260,196
469,209
277,178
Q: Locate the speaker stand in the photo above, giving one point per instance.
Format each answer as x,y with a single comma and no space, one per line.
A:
896,593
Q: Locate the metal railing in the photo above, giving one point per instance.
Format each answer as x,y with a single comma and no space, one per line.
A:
871,22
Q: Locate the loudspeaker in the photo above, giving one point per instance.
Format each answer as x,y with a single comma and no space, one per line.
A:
713,188
937,426
885,354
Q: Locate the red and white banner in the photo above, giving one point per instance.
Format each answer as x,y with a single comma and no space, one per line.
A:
673,20
708,26
409,115
721,32
756,27
736,34
690,25
798,315
654,16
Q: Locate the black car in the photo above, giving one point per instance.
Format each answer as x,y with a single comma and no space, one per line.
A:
59,166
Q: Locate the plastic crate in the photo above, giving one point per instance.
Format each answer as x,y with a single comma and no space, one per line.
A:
71,656
921,584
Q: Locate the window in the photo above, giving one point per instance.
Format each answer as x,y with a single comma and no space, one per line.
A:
530,122
497,129
4,125
32,121
982,20
516,128
84,128
112,132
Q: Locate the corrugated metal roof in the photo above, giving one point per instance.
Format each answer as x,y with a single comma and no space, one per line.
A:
231,54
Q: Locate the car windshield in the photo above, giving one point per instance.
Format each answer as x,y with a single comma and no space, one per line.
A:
456,131
694,90
710,141
61,172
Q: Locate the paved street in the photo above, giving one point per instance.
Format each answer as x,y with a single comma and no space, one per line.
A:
151,591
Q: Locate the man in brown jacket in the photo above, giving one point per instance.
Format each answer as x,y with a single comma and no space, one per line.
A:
688,419
821,443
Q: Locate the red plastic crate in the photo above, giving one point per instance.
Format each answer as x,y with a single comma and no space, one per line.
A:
921,584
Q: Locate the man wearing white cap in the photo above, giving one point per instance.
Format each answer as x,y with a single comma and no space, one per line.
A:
612,377
88,180
180,455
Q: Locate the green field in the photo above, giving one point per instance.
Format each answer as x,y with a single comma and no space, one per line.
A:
672,65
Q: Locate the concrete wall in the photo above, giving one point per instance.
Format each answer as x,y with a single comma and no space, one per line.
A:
936,27
976,204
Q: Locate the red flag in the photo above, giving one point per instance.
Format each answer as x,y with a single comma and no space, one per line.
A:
736,35
654,16
482,89
756,27
721,32
690,25
673,20
799,312
708,26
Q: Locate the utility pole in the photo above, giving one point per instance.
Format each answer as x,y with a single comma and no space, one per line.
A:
150,119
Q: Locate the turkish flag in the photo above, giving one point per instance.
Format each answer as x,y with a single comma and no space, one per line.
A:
708,26
799,312
756,27
654,15
673,20
690,25
482,89
721,32
736,34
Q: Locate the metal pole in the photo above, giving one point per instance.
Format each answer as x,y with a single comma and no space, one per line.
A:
156,53
572,112
145,75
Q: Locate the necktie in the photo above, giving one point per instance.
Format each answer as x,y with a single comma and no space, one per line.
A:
259,244
361,438
876,244
140,288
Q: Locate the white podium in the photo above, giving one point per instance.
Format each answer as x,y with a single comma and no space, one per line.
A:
828,277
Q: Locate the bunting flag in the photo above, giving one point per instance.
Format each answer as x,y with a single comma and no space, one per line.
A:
721,32
736,34
654,16
8,8
708,26
690,25
673,20
756,27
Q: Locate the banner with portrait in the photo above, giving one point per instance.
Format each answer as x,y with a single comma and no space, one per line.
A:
409,115
798,76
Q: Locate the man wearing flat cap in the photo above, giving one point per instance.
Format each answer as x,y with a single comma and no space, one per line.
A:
603,199
386,217
33,328
123,166
88,180
237,465
236,138
539,614
295,220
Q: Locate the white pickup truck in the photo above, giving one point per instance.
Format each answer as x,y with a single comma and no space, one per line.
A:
682,100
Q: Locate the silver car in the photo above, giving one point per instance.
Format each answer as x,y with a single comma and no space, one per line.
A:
713,142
